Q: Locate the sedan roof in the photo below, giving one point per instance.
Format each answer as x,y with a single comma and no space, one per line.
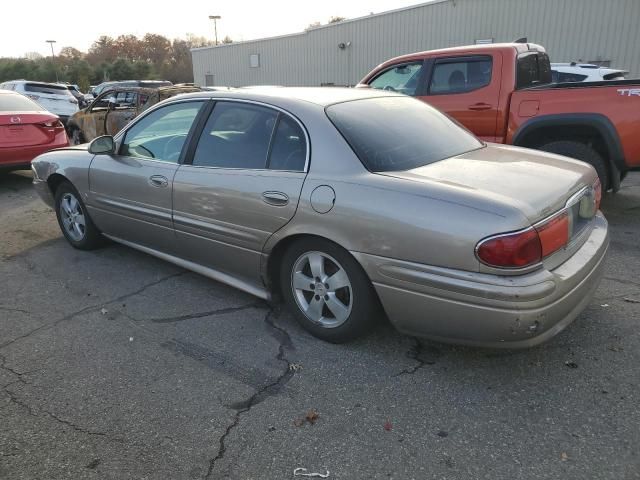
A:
322,96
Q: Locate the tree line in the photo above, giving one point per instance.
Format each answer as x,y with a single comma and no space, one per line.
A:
122,58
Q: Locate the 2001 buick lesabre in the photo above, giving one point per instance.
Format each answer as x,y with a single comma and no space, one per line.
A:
348,203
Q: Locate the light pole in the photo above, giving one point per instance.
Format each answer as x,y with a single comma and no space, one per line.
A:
53,58
215,19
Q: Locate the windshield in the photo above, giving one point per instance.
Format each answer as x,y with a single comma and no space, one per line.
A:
399,133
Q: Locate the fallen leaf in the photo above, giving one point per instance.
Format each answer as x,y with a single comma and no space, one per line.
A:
631,300
312,416
564,457
616,348
104,311
294,367
443,434
571,364
388,426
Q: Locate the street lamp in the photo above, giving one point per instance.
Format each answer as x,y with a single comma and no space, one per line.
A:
215,18
53,58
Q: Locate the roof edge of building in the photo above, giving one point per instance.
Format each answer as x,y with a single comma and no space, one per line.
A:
329,25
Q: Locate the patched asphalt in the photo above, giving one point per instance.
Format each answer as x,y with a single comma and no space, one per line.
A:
116,365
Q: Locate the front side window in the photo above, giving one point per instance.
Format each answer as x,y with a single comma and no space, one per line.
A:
401,78
399,133
236,135
161,134
452,76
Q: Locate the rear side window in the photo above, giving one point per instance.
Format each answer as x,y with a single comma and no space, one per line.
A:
289,147
460,75
17,103
533,68
399,133
47,89
401,78
236,135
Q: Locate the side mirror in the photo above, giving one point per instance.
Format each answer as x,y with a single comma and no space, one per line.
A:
102,145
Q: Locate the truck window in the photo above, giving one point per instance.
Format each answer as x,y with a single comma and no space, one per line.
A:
399,78
460,75
533,68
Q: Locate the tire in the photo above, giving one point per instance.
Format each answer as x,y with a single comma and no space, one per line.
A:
75,136
583,152
355,304
73,219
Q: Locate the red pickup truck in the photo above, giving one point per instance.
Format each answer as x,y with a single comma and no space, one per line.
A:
503,93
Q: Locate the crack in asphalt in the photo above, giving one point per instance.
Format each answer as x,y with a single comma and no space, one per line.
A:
415,353
242,407
210,313
91,308
13,398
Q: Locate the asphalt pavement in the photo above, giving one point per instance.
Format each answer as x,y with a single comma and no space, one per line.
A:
116,365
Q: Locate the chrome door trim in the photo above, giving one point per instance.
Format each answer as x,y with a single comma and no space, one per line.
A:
255,290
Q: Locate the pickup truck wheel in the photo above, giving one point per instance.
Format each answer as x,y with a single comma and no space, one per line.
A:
583,152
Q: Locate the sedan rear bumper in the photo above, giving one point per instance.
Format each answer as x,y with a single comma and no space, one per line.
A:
19,158
489,310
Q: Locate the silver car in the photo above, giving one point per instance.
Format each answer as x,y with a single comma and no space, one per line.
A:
351,204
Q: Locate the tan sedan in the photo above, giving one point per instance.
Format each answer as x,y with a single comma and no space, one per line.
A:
351,204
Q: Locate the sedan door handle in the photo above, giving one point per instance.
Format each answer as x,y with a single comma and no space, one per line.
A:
480,106
158,181
278,199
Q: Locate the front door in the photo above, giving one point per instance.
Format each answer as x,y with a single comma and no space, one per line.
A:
241,184
130,192
464,87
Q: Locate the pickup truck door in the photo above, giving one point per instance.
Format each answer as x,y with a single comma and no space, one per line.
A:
466,87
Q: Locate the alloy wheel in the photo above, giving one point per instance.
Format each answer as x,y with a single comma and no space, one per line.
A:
322,289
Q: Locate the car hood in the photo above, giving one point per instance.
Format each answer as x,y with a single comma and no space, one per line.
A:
534,182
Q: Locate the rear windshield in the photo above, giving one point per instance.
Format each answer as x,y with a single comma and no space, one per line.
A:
47,89
399,133
18,103
534,68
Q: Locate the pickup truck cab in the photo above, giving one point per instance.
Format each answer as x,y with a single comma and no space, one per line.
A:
504,93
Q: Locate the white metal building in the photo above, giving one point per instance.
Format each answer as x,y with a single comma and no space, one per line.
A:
606,32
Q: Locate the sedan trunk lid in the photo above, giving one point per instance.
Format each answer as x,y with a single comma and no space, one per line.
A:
536,183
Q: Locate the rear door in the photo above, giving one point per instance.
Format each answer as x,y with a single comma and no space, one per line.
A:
241,183
130,192
465,87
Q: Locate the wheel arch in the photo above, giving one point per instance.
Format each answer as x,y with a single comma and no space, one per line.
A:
54,180
274,257
594,129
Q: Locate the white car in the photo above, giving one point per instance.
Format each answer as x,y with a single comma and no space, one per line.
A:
584,72
53,97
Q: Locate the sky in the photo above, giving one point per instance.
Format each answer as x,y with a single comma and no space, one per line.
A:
71,24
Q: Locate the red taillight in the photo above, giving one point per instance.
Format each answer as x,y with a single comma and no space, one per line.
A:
56,125
511,250
597,190
554,233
